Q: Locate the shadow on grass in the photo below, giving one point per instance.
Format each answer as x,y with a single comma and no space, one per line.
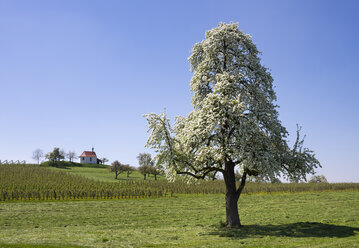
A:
299,229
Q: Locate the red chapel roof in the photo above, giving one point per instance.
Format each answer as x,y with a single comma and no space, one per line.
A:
88,154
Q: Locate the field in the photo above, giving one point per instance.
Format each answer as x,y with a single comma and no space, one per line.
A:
30,182
328,219
86,207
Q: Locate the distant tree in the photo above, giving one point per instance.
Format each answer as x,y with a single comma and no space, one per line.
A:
117,167
145,162
318,179
144,159
129,169
71,155
55,155
153,171
144,170
37,155
63,154
104,160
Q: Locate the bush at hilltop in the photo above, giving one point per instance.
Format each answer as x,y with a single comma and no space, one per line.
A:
64,164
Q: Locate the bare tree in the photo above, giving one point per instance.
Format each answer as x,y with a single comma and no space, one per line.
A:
71,155
63,154
37,155
115,167
104,160
119,168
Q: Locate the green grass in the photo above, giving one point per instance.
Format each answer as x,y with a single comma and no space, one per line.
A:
37,246
101,174
104,174
327,219
95,171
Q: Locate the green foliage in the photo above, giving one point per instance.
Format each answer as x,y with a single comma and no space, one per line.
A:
59,164
56,155
328,219
66,164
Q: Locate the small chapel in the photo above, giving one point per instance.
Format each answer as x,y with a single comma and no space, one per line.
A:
89,157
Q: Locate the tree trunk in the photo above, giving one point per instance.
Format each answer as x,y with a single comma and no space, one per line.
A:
232,216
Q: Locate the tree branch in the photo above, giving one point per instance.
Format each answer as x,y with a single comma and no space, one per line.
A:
205,170
243,183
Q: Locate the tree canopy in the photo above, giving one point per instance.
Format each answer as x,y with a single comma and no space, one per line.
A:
55,155
318,179
234,123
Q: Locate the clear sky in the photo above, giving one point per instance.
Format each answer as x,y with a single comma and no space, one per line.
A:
77,74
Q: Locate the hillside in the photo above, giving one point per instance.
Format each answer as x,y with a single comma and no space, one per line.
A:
32,182
104,174
96,171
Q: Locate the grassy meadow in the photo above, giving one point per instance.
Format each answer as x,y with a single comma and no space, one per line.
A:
327,219
104,174
80,206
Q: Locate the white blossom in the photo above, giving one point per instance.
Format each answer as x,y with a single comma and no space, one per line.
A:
235,118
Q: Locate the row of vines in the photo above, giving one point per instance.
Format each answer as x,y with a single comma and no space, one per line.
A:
21,182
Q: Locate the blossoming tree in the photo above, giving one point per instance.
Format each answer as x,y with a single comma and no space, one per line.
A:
234,123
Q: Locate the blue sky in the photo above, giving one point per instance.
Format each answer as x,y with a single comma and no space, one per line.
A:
77,74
